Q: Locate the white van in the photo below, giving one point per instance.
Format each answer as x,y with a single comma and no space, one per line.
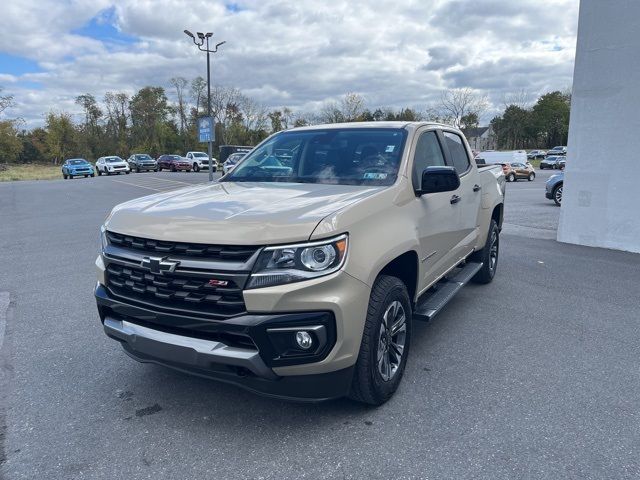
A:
493,157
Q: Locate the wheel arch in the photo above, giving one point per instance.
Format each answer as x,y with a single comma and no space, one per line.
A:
405,268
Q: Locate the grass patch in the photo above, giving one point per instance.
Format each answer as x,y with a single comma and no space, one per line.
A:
32,171
535,163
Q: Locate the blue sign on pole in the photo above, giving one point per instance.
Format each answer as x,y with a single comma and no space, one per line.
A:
206,132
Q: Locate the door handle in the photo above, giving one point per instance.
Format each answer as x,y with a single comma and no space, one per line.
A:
454,199
476,188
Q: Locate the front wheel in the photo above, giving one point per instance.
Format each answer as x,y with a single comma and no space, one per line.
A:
511,177
196,167
137,169
488,255
127,172
532,177
557,195
64,175
385,343
93,175
99,172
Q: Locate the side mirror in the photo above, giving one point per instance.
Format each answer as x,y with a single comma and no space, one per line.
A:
439,179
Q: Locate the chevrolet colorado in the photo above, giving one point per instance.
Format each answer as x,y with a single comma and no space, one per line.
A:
298,274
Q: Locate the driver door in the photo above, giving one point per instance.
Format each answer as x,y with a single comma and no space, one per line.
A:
437,220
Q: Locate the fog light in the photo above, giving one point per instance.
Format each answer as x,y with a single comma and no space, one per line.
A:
304,340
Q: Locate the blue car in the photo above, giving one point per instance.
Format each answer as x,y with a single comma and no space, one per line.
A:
554,188
75,167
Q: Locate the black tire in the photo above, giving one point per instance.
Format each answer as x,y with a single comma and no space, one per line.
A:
70,177
532,177
99,172
93,175
127,173
368,384
137,169
511,177
108,173
189,170
86,176
491,249
156,169
173,168
64,175
196,167
557,194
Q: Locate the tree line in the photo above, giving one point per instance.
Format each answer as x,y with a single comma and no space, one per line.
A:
120,124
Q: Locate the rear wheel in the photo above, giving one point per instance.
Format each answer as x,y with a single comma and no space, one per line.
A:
488,255
532,177
511,177
385,343
557,194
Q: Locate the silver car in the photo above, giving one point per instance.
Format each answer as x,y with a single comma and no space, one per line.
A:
232,161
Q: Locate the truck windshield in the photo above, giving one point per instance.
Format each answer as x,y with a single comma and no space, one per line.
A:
341,156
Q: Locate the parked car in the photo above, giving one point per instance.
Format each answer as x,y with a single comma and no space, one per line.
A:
75,167
200,161
142,162
113,164
173,163
553,188
232,161
535,154
552,162
560,150
494,158
269,278
515,171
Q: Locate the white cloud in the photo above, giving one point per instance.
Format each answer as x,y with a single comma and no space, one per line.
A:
292,52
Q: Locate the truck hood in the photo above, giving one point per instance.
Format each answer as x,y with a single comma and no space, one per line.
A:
235,213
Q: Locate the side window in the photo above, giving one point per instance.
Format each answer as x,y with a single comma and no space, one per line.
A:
458,152
428,154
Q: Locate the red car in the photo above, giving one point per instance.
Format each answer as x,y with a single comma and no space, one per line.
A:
173,163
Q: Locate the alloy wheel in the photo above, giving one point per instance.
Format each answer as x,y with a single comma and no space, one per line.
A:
493,252
391,340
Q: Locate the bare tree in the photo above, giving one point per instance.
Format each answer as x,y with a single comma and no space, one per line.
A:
198,95
352,107
459,102
521,99
6,101
180,84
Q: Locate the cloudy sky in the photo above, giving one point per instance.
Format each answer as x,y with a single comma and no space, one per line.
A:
298,53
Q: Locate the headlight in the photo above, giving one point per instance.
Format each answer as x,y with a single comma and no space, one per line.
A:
302,261
103,238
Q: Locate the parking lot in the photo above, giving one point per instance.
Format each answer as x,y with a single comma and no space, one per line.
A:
536,375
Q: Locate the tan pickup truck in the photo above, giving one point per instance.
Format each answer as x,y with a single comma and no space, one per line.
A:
299,273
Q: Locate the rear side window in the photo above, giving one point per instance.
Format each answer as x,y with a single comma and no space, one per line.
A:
428,154
457,151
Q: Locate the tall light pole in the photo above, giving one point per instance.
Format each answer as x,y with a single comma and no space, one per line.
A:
203,45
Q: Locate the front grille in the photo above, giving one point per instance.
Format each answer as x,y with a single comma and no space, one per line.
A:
176,291
213,252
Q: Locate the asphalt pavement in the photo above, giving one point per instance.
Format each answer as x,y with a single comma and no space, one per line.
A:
536,375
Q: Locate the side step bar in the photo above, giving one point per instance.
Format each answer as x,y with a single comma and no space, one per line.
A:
433,301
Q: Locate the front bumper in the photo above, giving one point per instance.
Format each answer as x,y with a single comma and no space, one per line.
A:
237,350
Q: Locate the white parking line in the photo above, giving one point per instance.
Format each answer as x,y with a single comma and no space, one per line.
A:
4,309
154,183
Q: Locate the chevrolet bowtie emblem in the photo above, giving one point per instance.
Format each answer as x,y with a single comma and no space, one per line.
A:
158,265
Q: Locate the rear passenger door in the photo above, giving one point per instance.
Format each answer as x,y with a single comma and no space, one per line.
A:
467,198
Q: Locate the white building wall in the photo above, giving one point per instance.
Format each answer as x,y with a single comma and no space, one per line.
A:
601,198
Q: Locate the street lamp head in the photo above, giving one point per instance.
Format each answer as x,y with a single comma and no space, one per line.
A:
209,35
221,43
201,35
190,34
